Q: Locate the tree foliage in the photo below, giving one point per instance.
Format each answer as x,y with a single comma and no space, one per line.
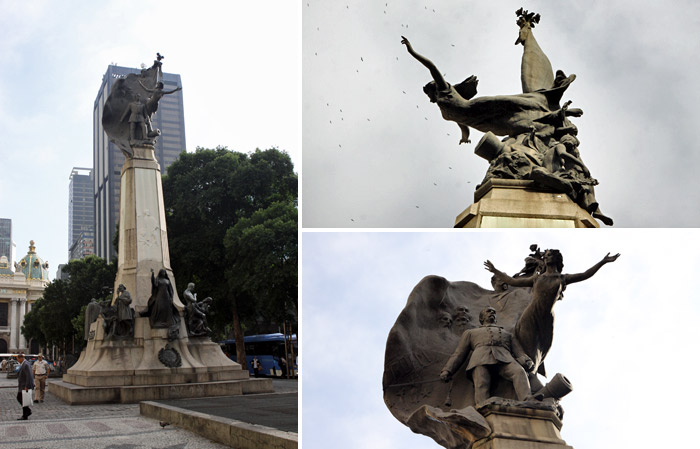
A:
51,319
206,193
262,251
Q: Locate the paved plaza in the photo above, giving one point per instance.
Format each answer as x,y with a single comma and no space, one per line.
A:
55,425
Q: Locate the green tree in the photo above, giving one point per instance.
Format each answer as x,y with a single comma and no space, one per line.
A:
206,193
262,251
51,319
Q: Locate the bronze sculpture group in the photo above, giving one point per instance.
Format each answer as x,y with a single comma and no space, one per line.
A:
119,317
196,313
540,143
439,376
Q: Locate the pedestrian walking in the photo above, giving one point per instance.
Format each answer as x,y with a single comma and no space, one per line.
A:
256,367
25,382
283,366
40,369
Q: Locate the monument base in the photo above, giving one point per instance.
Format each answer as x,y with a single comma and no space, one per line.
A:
150,367
79,395
521,428
511,203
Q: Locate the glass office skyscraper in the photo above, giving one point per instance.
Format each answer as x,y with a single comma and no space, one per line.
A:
81,214
6,238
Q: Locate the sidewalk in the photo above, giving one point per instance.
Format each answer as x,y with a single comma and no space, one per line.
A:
55,425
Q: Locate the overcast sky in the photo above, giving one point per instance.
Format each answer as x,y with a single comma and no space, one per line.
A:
377,153
240,69
625,338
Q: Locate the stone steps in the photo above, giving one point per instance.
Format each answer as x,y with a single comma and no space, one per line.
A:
127,394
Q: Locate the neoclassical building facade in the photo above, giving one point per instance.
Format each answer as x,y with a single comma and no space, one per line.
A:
19,289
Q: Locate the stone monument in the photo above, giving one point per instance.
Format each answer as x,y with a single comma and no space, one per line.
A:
139,348
536,177
477,384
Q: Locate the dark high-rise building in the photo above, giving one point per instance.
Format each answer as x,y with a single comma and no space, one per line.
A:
6,238
81,213
108,159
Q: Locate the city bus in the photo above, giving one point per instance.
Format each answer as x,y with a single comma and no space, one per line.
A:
269,349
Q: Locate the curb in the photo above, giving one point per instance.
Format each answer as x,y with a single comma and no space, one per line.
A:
233,433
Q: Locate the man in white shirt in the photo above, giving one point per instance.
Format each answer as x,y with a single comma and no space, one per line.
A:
40,369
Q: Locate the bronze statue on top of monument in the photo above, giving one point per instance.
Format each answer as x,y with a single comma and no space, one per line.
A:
459,387
126,116
540,142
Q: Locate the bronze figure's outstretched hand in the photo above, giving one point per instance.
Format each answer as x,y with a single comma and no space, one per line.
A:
406,43
489,266
440,82
608,258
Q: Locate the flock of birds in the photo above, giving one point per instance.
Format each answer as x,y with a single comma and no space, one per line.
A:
332,109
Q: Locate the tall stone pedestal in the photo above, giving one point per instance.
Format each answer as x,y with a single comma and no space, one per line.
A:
148,366
143,236
521,428
509,203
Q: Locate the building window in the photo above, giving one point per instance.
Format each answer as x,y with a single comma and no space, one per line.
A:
4,309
